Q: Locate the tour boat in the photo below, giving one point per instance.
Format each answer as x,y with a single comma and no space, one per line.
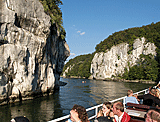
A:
137,111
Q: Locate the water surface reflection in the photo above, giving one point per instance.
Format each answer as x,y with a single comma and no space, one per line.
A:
87,94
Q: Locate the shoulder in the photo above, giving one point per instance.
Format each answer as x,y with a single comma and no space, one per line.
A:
126,117
125,114
130,98
104,119
133,97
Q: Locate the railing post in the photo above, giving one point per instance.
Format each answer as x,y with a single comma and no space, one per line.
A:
124,101
96,111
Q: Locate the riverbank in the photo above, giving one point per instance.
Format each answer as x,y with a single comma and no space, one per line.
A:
116,80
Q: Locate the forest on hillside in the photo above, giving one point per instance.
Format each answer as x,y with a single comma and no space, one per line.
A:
80,66
148,66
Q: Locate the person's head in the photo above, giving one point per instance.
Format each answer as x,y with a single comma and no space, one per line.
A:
106,107
152,116
81,111
118,108
153,91
130,92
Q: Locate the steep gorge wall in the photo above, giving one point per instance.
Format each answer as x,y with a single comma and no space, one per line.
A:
32,54
115,60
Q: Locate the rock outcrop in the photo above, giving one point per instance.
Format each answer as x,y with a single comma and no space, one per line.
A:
115,60
32,54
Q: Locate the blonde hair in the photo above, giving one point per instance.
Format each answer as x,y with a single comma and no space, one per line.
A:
129,92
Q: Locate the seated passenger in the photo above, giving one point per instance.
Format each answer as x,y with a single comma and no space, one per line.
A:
130,98
158,90
78,114
135,95
105,114
158,86
150,99
157,93
119,114
152,116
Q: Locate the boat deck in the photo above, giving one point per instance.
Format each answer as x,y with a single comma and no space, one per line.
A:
135,113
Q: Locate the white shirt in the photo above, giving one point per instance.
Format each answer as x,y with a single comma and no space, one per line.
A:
118,119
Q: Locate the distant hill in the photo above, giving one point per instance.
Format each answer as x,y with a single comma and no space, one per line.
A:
79,66
151,32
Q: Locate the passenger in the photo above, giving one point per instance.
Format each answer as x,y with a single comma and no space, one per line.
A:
119,114
78,114
158,90
152,116
136,96
105,114
158,86
150,99
157,93
20,119
130,98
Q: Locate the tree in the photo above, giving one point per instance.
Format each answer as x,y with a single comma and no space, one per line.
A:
51,7
146,68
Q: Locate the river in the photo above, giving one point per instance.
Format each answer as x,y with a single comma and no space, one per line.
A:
87,94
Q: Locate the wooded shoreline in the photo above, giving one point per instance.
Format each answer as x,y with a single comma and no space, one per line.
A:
119,80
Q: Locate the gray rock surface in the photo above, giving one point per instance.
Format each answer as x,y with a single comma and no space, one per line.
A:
31,56
115,60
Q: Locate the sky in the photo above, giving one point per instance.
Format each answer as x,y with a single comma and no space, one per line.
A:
88,22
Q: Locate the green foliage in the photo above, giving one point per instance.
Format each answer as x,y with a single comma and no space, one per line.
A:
150,32
146,68
80,66
51,7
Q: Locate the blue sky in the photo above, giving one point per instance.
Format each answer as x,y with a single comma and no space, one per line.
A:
88,22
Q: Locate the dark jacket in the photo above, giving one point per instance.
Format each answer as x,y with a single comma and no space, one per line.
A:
105,119
150,100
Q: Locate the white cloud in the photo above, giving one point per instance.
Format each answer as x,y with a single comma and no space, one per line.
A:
82,33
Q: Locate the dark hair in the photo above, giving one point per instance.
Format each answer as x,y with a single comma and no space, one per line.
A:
21,119
82,113
108,105
153,91
154,115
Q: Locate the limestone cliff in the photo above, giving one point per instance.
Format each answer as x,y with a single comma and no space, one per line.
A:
113,62
32,54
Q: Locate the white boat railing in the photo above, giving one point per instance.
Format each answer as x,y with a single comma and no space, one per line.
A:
97,106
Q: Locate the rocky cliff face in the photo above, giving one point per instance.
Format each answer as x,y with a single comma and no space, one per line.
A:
31,51
113,62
